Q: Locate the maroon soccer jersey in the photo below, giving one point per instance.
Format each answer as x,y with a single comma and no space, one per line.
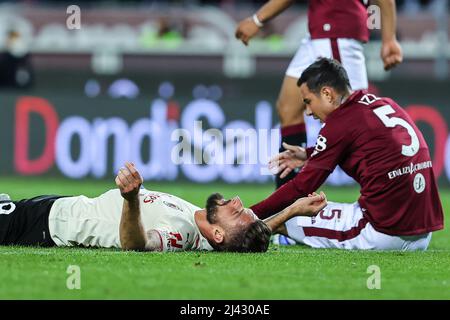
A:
374,141
338,19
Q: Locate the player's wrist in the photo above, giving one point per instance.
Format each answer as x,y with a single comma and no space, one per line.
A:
293,211
388,38
257,21
132,198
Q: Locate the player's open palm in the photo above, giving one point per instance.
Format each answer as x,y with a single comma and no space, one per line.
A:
246,30
286,161
129,181
311,205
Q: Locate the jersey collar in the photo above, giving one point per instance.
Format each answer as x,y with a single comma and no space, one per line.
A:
354,96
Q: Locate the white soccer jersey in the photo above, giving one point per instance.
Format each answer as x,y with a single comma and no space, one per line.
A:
94,222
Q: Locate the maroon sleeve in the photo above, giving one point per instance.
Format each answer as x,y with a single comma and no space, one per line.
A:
306,181
330,148
309,151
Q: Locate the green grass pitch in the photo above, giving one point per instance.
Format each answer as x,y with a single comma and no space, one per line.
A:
293,272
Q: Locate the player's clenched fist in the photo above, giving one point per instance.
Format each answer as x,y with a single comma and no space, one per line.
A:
246,30
391,53
129,181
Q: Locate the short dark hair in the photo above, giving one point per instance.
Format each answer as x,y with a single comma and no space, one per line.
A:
256,237
211,207
325,72
251,238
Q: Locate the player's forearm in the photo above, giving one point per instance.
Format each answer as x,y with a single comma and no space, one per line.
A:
388,19
272,8
276,221
277,201
132,232
304,183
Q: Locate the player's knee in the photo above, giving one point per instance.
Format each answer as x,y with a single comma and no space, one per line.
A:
283,110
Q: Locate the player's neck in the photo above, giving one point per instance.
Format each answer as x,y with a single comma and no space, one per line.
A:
335,104
202,223
345,97
339,101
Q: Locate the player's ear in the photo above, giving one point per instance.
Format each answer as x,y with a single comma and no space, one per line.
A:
327,93
218,234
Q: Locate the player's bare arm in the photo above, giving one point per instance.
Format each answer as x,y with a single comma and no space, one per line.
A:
308,206
131,230
391,51
248,27
286,161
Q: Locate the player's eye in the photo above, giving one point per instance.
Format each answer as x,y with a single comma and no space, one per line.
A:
225,202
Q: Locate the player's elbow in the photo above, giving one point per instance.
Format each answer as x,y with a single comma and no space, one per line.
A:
132,245
133,248
151,242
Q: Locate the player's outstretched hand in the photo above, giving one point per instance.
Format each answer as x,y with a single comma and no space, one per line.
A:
286,161
246,30
311,205
129,181
391,53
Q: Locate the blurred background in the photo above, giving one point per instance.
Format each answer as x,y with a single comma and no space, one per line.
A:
78,102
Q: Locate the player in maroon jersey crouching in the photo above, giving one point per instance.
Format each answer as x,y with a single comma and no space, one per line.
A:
375,142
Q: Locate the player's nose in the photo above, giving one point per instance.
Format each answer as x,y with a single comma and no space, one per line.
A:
237,201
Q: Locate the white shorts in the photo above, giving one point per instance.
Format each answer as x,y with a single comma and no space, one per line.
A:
343,226
348,51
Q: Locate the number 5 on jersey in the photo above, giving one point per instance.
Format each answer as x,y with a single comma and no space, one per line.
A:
390,122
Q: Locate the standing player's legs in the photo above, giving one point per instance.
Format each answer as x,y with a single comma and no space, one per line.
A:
25,222
290,105
290,111
343,226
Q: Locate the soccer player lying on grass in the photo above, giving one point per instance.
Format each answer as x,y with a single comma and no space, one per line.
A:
132,218
375,142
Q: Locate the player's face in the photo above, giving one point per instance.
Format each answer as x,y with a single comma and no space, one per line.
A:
316,105
232,212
